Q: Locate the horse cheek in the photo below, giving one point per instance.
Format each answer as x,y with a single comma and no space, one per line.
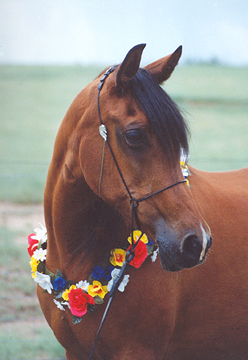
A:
90,163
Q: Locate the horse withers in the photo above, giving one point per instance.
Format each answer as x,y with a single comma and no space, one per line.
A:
126,180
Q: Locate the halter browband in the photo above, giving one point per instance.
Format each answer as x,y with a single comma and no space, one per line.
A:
133,202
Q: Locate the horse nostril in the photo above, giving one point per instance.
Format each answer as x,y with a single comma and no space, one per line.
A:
191,249
209,244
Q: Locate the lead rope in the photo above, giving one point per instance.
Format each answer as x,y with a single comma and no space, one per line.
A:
134,204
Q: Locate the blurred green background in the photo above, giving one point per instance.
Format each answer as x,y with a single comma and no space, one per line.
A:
34,99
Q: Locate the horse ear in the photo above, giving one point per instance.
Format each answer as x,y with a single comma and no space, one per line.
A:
162,69
128,68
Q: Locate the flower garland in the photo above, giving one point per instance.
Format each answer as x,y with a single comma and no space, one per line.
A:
85,295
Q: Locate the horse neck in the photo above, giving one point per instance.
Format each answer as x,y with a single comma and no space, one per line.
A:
79,224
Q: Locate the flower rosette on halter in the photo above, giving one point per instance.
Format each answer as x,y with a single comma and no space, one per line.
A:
84,296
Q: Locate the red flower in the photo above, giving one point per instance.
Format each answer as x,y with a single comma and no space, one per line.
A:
79,301
140,254
33,244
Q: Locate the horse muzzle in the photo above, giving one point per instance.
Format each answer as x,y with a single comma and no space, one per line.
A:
191,251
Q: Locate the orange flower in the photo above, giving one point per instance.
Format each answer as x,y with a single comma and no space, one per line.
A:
136,236
65,294
117,257
97,289
33,263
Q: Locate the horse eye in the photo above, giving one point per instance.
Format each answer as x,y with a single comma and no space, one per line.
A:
134,137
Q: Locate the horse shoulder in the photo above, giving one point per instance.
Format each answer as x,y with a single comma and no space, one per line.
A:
218,188
215,293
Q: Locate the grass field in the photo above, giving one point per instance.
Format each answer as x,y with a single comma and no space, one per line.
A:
33,101
24,334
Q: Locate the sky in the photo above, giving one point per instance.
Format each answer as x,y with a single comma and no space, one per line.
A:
102,31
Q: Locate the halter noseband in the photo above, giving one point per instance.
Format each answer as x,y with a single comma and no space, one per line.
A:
133,202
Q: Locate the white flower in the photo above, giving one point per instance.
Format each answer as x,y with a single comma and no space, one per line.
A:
59,306
41,234
44,281
184,157
66,303
185,170
122,285
40,254
154,255
83,285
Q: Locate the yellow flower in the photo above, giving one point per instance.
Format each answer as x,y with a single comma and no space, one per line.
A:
97,289
185,171
117,257
183,165
33,263
66,292
136,235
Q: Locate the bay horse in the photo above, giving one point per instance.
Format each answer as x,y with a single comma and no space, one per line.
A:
96,195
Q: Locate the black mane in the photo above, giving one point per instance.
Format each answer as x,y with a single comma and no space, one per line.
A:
163,114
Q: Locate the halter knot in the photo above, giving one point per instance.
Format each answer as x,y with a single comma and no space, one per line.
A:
134,202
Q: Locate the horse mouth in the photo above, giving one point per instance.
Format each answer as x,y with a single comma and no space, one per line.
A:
167,263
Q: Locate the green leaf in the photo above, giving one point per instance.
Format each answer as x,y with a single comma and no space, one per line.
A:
98,300
91,308
150,249
59,274
52,276
76,319
69,283
91,279
41,267
58,294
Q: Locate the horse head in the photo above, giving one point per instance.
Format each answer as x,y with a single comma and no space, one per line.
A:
146,134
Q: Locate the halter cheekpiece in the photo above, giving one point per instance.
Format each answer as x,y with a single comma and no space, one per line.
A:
103,132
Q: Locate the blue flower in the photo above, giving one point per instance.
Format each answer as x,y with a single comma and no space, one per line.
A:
107,272
98,273
59,284
150,242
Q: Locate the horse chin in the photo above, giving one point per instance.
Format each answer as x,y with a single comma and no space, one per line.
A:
168,265
176,264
